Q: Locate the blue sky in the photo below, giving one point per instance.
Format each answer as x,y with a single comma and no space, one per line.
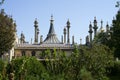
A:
79,12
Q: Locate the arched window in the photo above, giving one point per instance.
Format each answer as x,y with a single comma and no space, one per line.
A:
33,53
23,53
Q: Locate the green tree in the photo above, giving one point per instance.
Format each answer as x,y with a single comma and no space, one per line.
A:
3,74
115,36
7,32
115,71
27,68
102,38
97,59
85,75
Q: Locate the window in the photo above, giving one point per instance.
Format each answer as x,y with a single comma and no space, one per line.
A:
33,53
23,53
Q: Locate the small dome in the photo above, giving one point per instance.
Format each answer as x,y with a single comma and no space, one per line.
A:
101,30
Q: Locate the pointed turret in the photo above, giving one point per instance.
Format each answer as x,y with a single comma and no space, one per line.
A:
22,38
68,32
41,39
95,26
90,32
87,40
51,37
64,32
36,31
51,30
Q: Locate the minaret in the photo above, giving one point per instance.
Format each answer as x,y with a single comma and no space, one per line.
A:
22,38
68,32
101,23
64,32
87,40
95,26
41,39
36,32
90,32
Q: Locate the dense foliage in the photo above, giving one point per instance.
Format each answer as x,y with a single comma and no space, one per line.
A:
7,30
115,36
115,71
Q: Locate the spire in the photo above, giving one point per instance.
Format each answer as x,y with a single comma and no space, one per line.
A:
36,23
51,21
95,26
51,30
101,23
51,37
68,23
90,32
64,32
68,31
87,40
22,38
90,28
36,31
41,39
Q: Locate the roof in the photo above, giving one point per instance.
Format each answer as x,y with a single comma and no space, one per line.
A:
44,46
51,37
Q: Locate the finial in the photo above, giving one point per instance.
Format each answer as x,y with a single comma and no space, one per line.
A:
90,25
51,16
68,22
101,23
51,19
95,21
35,22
